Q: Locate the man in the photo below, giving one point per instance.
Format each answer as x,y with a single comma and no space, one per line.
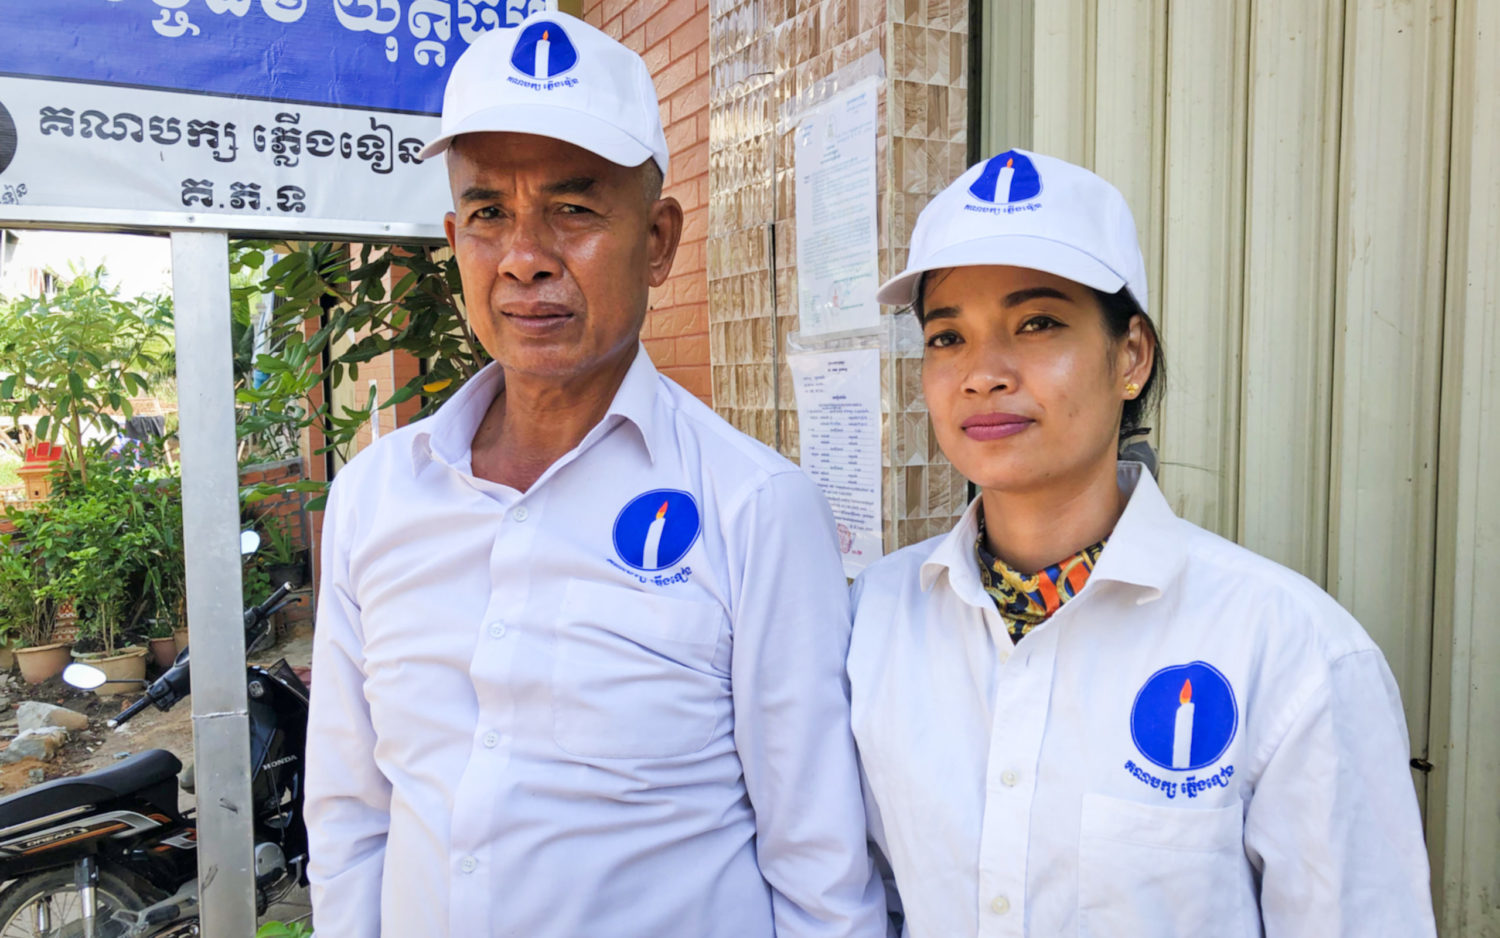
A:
580,644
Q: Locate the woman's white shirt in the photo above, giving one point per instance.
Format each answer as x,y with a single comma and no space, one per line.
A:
1200,743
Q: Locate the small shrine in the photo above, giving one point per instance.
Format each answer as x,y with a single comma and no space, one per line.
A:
36,471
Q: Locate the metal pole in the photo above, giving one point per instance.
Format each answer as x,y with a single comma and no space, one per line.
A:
210,512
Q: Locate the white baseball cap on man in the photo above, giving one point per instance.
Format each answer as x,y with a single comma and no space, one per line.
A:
1022,209
555,76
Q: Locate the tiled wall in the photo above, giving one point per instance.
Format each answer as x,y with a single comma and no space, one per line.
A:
672,36
763,55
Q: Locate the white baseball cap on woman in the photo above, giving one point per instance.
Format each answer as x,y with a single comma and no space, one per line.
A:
556,76
1022,209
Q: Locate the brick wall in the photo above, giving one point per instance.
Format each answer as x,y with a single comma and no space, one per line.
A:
672,36
287,507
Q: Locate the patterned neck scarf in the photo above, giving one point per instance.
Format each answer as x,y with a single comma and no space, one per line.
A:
1026,601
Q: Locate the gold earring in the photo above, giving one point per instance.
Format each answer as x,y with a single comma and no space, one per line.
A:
1132,389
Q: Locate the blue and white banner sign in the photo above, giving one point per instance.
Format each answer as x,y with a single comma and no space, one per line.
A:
297,117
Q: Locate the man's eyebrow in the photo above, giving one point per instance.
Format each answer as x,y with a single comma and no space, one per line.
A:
480,194
941,312
1033,293
577,185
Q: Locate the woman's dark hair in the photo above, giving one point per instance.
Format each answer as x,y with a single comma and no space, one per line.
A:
1118,309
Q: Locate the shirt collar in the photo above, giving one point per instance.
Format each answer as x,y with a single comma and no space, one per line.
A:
1144,549
448,435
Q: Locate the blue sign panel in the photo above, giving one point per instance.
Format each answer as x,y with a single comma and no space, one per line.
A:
387,55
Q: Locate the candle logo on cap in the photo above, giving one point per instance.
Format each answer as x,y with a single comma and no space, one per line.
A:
543,51
1184,717
656,529
1009,177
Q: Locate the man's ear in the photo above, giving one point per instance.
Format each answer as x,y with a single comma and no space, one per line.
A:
663,234
450,228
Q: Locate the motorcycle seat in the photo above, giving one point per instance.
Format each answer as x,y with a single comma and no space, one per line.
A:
140,776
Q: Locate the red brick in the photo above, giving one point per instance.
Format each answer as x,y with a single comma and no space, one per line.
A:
690,36
691,162
680,136
612,8
657,57
689,258
614,28
635,39
703,59
668,18
662,352
664,296
692,350
693,97
636,14
692,290
676,76
695,224
694,378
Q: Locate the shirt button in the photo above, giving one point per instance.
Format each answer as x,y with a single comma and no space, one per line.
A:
468,864
1000,905
491,740
497,630
1008,779
520,513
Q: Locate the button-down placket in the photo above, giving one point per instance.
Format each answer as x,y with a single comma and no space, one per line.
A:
1023,683
498,633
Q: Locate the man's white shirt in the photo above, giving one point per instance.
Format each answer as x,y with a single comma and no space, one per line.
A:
612,705
1200,742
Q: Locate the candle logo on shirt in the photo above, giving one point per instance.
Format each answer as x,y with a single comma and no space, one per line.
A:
657,529
543,51
1009,177
1184,717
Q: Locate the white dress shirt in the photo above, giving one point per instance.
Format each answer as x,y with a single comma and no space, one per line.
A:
1199,743
611,706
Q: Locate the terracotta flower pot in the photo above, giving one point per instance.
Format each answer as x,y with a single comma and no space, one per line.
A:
43,661
179,638
164,652
7,660
126,670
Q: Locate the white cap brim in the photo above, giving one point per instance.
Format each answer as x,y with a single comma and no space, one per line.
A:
548,120
1030,251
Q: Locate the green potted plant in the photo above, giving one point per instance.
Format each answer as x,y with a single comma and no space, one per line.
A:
282,558
25,602
163,645
98,520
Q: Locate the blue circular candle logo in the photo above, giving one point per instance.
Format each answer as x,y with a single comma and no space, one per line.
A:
657,529
1184,717
1009,177
543,51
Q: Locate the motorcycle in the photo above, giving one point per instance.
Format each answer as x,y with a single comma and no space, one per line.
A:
109,855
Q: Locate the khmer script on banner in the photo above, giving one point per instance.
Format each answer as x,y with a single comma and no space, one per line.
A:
290,116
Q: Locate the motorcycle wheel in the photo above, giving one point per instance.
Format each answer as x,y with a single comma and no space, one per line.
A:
22,902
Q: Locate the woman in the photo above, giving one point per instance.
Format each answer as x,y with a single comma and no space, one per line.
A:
1079,714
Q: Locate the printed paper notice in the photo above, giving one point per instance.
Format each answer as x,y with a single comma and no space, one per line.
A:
836,241
838,412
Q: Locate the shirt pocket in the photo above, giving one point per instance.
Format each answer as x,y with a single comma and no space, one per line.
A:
634,673
1161,871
